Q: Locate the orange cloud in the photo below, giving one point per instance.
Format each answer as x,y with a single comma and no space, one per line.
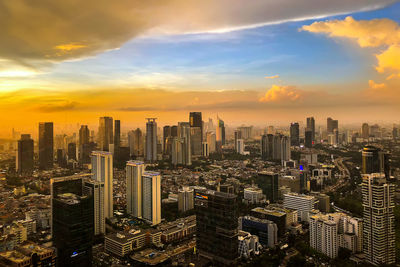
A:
374,85
272,77
279,93
383,33
69,47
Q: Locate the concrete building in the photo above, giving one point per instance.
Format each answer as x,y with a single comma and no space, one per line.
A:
266,230
253,195
302,203
134,172
151,197
105,133
248,245
96,189
102,171
151,140
185,199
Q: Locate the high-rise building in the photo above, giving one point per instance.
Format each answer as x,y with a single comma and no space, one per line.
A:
46,149
365,131
211,140
266,230
151,197
379,221
275,147
311,127
117,138
238,135
294,134
324,235
268,182
308,141
105,133
102,171
135,140
240,146
134,172
181,146
302,203
217,226
285,149
151,140
72,221
24,158
71,151
167,140
196,132
331,125
185,199
372,161
267,142
96,190
206,150
84,145
246,132
84,135
220,134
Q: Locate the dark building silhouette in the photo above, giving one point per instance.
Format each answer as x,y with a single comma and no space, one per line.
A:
331,125
72,222
117,138
294,134
374,160
72,151
217,226
46,150
308,138
24,158
167,140
268,182
105,133
196,132
311,126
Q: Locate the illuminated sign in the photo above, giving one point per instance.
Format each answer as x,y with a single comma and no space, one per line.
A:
199,196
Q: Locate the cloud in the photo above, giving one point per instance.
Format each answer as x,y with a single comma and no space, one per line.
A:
374,85
272,77
60,107
382,33
55,31
279,93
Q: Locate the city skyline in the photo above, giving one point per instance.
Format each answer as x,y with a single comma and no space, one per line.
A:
313,59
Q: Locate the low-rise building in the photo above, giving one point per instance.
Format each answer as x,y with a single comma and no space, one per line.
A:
248,244
178,230
253,195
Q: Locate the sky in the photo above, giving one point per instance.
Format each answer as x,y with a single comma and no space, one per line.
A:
257,62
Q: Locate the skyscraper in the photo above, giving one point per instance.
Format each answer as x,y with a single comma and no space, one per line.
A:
217,226
365,131
151,197
117,138
294,134
331,125
308,141
72,221
134,172
268,182
220,134
211,140
311,126
24,158
102,171
372,160
71,151
379,220
185,199
151,140
135,141
267,146
84,148
238,135
105,133
196,132
167,140
46,149
95,189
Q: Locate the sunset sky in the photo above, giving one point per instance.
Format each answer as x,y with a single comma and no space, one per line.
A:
253,62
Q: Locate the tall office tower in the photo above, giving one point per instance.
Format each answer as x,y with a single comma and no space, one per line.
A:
267,142
174,131
372,160
95,189
117,137
134,172
308,139
151,140
184,139
331,124
24,158
276,147
151,197
61,159
166,137
211,140
185,199
311,126
324,235
285,149
379,221
240,146
294,134
196,132
105,133
102,171
216,226
246,132
238,135
72,221
365,131
46,149
395,132
71,151
83,144
269,183
206,150
220,134
135,140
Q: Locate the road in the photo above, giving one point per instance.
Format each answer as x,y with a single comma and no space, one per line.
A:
344,175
